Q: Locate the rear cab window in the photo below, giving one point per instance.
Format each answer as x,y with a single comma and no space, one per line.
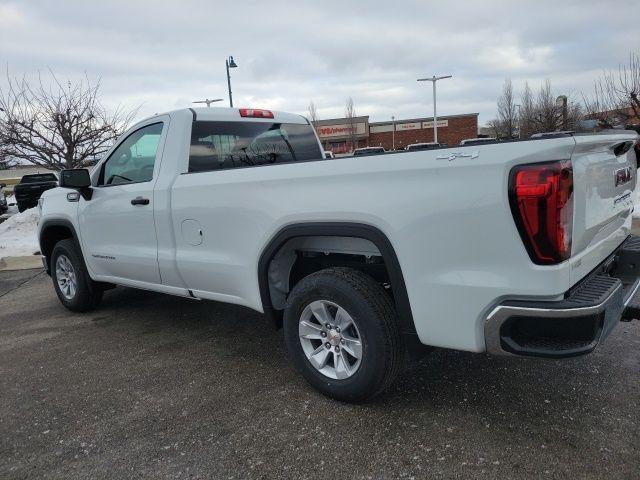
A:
44,177
226,145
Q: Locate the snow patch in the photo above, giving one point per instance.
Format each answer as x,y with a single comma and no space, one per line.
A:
18,234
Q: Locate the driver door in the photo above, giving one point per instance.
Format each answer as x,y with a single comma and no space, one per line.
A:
117,225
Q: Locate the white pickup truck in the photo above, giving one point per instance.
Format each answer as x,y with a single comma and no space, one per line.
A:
518,248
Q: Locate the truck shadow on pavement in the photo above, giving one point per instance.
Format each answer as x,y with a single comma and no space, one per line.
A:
443,378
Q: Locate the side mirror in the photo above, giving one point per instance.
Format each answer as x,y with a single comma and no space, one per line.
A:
78,179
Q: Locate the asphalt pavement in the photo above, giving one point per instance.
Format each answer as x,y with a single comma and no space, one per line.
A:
153,386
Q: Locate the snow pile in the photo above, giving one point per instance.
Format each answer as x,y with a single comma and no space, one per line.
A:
18,234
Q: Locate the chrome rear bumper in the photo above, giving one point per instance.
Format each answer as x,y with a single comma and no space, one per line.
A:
576,324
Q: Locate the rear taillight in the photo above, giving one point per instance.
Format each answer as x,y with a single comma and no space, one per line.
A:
255,113
541,198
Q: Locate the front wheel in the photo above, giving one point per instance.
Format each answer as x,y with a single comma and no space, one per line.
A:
341,332
71,281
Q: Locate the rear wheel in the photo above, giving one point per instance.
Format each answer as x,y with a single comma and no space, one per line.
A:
341,332
71,281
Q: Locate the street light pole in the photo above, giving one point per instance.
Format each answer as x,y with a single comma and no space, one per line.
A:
518,106
230,63
434,79
393,135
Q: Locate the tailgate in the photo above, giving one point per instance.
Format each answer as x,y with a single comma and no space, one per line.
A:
604,178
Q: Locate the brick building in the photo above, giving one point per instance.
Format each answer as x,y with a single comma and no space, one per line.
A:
335,134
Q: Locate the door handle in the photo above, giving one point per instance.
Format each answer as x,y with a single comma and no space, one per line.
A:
140,201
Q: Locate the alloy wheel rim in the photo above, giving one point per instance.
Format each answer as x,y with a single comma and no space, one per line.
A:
330,339
66,277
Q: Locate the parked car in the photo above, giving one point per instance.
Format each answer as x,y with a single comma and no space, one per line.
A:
422,146
519,249
563,133
328,154
477,141
31,187
368,151
3,199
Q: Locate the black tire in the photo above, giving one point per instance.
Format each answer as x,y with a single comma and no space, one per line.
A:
88,293
374,314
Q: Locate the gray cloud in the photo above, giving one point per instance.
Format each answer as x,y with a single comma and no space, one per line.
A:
163,55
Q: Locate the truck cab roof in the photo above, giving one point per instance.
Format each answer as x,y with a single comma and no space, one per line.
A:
215,114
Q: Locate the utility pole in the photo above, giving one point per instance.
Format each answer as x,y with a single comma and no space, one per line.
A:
518,106
433,80
230,63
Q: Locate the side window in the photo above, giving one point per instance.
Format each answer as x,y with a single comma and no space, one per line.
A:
225,145
133,160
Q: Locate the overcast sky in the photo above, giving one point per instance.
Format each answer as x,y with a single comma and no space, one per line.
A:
163,55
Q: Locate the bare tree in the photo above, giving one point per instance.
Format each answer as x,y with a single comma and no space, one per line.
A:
546,112
57,126
5,161
313,114
548,115
350,115
496,127
527,112
616,97
507,116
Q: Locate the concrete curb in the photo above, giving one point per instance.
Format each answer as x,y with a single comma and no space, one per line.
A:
20,263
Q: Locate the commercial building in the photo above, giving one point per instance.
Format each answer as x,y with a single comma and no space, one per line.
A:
336,133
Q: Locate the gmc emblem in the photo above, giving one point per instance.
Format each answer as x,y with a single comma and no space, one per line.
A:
622,175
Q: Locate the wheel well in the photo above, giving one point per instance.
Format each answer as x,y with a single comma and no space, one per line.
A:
50,236
299,250
302,256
